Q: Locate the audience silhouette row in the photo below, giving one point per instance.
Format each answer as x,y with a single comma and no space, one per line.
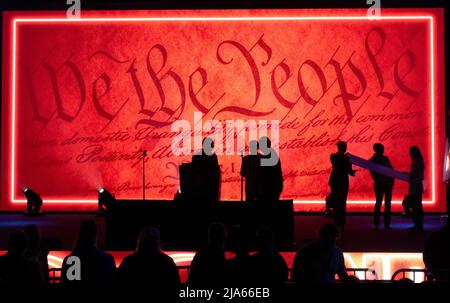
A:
319,261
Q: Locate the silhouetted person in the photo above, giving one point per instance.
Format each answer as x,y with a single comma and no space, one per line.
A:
250,170
96,265
339,182
35,252
149,266
270,267
436,253
319,261
270,174
208,265
206,170
383,187
415,190
15,267
239,269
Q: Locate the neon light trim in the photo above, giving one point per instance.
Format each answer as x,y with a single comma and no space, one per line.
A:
178,19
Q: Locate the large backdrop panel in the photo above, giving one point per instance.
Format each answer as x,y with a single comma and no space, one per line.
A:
82,99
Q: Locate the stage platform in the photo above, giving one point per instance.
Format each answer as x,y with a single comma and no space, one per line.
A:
359,235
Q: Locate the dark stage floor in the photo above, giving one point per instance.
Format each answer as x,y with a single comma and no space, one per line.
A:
359,235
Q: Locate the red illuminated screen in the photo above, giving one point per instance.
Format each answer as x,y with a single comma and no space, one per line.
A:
83,98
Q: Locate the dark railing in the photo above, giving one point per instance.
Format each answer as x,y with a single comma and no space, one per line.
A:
55,273
428,275
352,271
365,271
441,275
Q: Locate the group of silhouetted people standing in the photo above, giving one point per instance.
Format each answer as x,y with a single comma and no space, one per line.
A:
383,185
263,182
261,169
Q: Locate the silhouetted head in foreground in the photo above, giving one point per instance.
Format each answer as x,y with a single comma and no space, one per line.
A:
149,240
414,153
265,240
217,234
328,234
342,147
378,148
88,234
18,242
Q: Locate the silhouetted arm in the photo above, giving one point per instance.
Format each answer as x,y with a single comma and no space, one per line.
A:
350,170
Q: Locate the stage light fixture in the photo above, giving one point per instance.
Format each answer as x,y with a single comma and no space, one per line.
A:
34,202
105,198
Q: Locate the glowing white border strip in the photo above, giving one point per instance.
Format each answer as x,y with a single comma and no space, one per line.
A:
178,19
